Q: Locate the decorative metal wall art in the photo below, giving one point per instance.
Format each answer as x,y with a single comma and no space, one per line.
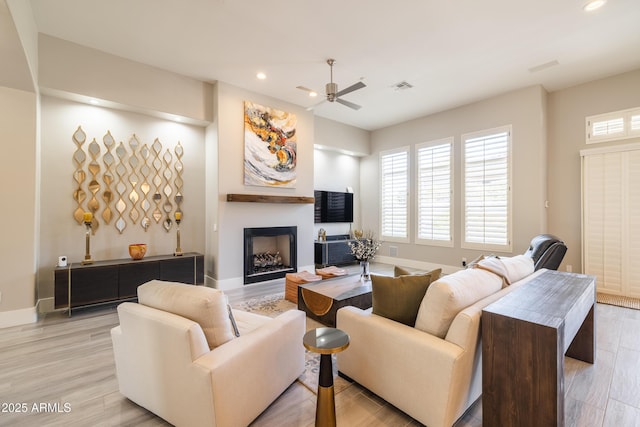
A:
107,177
94,185
133,170
157,181
79,157
145,187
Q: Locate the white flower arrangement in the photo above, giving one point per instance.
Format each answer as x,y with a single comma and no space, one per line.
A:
364,248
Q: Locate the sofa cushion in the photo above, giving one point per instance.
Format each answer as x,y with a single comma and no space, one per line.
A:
450,294
203,305
399,271
398,298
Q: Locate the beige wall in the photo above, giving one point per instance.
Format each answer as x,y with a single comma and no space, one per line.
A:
233,217
73,72
60,234
68,69
567,111
524,110
18,44
18,119
338,148
343,138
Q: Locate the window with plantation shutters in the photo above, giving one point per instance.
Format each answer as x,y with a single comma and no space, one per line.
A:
486,190
613,126
434,173
394,188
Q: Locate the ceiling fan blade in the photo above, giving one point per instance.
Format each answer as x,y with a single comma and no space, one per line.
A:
313,107
348,104
351,88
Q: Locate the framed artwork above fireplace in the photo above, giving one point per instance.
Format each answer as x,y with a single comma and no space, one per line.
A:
270,147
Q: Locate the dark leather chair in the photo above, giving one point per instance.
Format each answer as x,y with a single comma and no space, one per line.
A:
547,251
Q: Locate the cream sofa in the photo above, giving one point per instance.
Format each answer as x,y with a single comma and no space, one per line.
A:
431,371
198,373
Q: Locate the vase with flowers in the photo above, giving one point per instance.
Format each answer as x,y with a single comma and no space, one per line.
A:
364,249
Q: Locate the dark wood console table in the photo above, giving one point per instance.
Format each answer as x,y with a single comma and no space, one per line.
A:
525,336
80,285
333,252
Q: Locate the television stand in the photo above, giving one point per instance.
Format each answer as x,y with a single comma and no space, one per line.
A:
334,251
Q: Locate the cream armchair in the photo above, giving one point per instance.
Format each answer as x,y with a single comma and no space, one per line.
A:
165,363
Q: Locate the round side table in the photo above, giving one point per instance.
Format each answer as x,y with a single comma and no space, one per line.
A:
325,341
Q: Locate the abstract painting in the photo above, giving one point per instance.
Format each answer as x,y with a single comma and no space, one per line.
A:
269,147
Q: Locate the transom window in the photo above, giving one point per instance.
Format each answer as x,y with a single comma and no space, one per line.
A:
613,126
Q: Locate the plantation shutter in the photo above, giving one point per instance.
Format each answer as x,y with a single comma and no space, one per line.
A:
611,218
486,190
394,182
434,195
635,124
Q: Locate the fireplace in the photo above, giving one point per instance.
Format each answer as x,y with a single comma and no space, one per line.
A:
269,253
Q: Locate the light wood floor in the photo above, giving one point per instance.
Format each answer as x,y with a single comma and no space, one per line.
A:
61,360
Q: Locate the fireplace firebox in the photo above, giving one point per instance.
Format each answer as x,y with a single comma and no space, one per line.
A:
269,253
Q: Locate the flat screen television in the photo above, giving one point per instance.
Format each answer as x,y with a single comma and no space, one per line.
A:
333,206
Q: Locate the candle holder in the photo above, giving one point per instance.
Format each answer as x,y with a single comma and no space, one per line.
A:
87,236
178,251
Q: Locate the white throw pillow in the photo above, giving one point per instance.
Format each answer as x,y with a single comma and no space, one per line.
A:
450,294
205,306
511,269
518,267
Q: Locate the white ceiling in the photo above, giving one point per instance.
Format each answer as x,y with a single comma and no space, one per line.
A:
453,52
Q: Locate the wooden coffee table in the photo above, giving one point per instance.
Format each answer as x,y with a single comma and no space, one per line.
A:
321,300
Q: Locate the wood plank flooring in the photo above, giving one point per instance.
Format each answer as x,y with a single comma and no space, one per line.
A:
64,366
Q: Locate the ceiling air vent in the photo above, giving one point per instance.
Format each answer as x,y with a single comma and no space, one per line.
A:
403,85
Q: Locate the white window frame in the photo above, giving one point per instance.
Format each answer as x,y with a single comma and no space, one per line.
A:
507,247
629,126
418,149
383,236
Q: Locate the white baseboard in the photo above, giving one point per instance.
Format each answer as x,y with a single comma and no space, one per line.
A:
412,263
23,316
46,305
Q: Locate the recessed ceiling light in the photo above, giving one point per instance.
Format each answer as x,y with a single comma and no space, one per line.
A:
261,76
593,5
94,101
313,94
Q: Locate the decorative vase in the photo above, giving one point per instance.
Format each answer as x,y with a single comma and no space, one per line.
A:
364,271
137,250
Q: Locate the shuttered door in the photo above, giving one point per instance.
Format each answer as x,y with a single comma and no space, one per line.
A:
611,218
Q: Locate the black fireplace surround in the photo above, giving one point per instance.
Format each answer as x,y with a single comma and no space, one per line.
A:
269,253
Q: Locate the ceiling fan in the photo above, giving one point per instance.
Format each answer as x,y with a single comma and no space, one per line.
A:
332,93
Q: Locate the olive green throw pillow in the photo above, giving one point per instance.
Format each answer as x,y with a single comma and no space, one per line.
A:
435,274
399,298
